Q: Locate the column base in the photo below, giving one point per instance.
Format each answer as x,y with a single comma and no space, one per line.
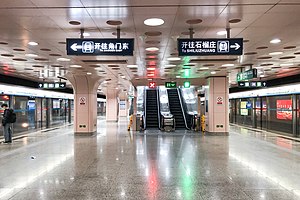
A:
85,133
217,133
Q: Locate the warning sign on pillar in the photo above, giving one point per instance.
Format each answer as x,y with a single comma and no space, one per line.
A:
82,101
219,100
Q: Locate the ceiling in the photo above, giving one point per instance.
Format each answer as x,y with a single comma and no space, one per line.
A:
47,23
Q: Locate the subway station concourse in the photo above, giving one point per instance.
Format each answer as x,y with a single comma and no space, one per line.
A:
154,100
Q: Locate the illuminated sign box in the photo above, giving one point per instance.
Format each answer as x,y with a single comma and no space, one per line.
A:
209,47
100,47
170,84
61,85
252,84
246,75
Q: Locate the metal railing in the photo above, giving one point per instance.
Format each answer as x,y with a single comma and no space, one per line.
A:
182,110
158,107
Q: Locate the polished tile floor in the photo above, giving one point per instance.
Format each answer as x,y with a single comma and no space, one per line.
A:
115,164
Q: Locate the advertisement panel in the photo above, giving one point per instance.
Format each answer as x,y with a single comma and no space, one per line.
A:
284,109
244,110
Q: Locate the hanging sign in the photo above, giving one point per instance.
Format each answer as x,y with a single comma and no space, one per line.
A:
208,47
99,47
246,75
252,84
61,85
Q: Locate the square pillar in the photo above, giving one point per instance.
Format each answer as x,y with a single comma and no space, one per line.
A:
112,107
217,100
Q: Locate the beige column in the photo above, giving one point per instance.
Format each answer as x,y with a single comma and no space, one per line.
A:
217,117
85,102
112,107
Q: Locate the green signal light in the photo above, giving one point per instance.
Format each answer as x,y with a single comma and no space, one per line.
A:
186,84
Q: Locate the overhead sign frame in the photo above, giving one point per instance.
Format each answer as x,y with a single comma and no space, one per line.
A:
100,47
210,46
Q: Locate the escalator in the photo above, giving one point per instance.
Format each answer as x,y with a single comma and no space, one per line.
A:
176,109
152,119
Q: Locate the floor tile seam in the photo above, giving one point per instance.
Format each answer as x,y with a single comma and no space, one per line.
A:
33,144
27,133
267,132
14,195
270,144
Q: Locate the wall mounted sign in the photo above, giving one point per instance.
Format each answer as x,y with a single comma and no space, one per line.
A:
61,85
219,100
208,47
246,75
170,84
82,101
252,84
99,47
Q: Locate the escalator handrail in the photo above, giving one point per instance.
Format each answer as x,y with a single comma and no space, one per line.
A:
145,107
182,110
158,107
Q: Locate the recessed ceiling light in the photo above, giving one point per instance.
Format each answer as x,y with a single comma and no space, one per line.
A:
151,68
89,73
132,66
275,41
31,55
154,22
286,64
86,34
33,43
262,76
222,33
75,66
114,22
228,65
275,53
213,72
203,68
170,65
73,22
63,59
152,49
173,59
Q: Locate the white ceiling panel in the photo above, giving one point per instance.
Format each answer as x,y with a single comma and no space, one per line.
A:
47,22
16,4
57,3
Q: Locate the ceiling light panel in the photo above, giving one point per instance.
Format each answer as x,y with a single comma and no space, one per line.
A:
154,22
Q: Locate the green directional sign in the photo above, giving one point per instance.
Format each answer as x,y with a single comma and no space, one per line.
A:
246,75
170,84
187,84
